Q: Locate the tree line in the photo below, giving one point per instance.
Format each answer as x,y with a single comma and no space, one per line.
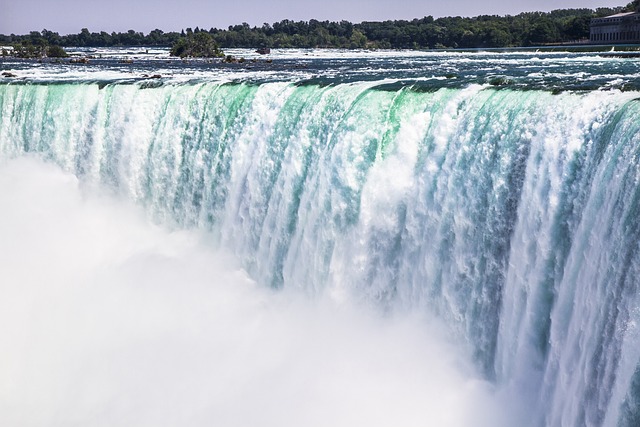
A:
524,29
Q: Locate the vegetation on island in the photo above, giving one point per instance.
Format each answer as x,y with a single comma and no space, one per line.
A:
200,45
486,31
35,46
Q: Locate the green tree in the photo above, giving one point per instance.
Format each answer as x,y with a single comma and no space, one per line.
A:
55,51
197,45
543,31
358,39
577,28
497,37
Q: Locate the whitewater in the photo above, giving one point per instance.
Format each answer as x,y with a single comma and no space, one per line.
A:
330,238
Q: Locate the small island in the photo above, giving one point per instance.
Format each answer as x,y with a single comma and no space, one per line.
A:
196,45
38,50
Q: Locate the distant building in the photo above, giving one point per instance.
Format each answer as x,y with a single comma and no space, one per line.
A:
618,28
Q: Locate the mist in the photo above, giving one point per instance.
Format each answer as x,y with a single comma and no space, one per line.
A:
107,318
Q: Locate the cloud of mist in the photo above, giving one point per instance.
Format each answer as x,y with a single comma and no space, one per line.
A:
107,319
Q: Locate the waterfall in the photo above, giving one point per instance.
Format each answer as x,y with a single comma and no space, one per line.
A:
512,215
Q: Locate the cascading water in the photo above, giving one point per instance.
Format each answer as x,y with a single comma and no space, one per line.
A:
513,215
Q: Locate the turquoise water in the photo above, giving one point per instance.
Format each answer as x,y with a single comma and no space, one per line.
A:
406,181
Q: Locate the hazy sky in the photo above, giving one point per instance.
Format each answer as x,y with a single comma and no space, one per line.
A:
69,16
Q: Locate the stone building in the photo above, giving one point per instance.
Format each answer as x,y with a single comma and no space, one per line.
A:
618,28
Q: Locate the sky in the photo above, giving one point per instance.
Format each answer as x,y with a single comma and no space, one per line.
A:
70,16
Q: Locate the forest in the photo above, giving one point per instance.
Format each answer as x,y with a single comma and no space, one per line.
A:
525,29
